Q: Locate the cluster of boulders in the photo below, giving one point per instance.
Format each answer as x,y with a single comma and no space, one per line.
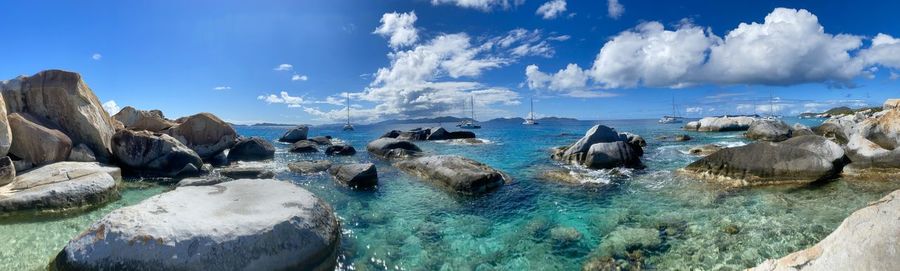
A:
60,150
603,148
300,143
433,133
801,155
452,172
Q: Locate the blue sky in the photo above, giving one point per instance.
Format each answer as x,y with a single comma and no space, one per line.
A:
409,59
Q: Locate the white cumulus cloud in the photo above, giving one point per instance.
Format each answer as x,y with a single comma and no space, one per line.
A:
551,9
111,107
283,98
297,77
284,67
482,5
885,51
399,28
96,56
614,9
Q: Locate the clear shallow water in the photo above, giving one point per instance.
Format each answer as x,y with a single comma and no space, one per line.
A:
533,224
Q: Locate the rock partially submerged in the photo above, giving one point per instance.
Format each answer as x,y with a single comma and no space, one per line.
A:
602,147
800,160
340,149
705,149
295,134
456,173
393,148
307,167
721,124
866,240
237,225
304,146
355,175
60,185
154,154
433,133
246,172
251,149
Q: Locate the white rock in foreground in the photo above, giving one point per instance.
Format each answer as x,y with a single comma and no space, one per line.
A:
869,239
59,186
238,225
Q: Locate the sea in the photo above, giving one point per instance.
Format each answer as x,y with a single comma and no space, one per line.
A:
651,218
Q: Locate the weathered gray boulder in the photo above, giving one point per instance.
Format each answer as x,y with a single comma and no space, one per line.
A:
154,154
414,134
692,126
437,133
340,149
769,130
392,148
321,140
237,225
612,154
875,142
246,172
765,163
64,99
7,171
682,137
456,173
35,143
801,130
391,134
204,133
603,147
5,132
724,124
251,149
838,130
355,175
866,240
705,149
304,146
81,153
60,186
635,140
819,145
295,134
307,167
152,120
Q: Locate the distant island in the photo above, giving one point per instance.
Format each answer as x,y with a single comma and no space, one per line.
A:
837,111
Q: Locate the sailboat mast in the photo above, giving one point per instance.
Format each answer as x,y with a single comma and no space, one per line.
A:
531,115
473,107
348,108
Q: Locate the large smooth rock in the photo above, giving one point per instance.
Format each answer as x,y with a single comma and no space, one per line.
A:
5,132
692,125
251,149
838,130
355,175
35,143
764,163
304,146
612,154
307,167
769,130
204,133
134,119
456,173
321,140
295,134
705,150
801,130
392,148
340,149
437,133
868,239
154,154
7,171
602,147
82,153
725,124
237,225
891,104
876,142
59,186
64,99
819,145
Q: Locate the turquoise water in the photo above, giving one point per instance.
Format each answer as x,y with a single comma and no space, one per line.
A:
532,223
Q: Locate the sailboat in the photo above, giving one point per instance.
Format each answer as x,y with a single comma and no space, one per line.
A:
530,120
348,126
674,118
470,124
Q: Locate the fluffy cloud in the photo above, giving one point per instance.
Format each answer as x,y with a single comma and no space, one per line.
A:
885,51
297,77
451,55
283,98
551,9
789,47
696,109
96,56
111,107
614,9
399,29
284,67
222,88
568,79
483,5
